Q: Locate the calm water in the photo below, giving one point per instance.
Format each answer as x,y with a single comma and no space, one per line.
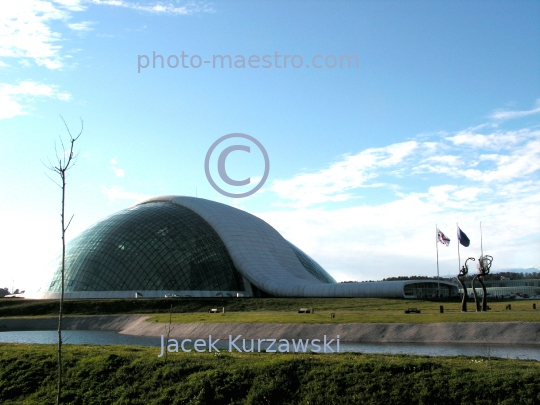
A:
76,337
114,338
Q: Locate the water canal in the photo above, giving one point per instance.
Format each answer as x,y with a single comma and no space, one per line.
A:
524,352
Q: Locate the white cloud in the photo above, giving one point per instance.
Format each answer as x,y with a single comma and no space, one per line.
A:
72,5
353,171
13,97
449,160
492,156
506,115
469,176
26,25
441,194
397,238
118,172
81,26
460,156
116,193
157,8
469,194
519,162
25,31
491,141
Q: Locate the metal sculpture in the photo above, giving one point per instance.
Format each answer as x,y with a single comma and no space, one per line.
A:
484,265
462,273
476,302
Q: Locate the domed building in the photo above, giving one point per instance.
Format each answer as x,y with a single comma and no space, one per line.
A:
191,247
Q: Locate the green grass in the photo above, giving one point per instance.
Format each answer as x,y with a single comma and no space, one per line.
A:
357,310
280,310
346,317
135,375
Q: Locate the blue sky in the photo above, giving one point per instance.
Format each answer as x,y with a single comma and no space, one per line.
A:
438,122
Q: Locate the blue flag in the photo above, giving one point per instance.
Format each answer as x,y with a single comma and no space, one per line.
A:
463,239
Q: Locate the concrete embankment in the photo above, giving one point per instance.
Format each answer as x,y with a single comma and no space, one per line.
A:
93,322
470,332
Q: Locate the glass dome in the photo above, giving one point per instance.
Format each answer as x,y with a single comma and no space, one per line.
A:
151,246
312,266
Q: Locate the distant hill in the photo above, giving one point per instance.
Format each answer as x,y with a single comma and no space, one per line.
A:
520,270
510,274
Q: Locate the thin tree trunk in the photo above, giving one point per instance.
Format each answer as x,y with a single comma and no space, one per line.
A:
168,333
64,162
59,387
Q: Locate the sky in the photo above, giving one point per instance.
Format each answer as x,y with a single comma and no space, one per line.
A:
382,120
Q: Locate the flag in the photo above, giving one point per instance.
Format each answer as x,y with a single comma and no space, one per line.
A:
441,237
463,239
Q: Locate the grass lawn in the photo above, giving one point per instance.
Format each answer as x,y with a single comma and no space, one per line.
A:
359,310
280,310
345,317
104,375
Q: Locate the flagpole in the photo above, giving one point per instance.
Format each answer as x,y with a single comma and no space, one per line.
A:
437,248
481,244
459,258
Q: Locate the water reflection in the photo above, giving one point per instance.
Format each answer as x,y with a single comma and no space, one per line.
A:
76,337
114,338
527,352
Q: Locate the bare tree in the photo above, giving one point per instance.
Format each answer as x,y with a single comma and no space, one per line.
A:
63,162
168,329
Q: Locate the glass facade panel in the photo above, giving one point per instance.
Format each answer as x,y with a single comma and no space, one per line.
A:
152,246
428,290
312,266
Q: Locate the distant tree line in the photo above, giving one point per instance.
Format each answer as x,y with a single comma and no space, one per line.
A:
507,275
503,275
400,278
4,291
